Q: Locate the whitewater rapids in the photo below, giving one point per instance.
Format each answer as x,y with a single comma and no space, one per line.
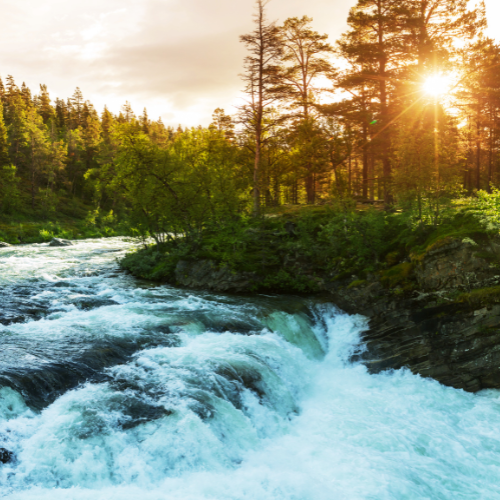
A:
116,389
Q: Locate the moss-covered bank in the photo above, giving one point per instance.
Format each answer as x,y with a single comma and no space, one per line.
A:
311,250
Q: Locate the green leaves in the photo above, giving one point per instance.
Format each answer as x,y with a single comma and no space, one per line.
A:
180,188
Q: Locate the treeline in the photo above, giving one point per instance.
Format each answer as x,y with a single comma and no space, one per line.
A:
49,149
404,108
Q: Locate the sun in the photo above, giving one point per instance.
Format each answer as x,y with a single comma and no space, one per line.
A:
437,85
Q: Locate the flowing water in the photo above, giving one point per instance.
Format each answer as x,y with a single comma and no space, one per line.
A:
112,388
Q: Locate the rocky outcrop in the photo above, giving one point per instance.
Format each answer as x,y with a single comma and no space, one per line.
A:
450,333
57,242
4,245
451,264
438,315
207,275
453,343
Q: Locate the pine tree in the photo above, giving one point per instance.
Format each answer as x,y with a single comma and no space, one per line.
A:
374,42
9,194
61,115
37,149
75,107
17,127
2,92
26,95
128,113
260,77
107,121
4,141
144,121
45,108
305,58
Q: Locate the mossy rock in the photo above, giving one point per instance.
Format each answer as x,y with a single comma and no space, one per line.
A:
481,296
397,275
357,283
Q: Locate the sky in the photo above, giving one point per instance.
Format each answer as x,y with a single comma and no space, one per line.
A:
178,58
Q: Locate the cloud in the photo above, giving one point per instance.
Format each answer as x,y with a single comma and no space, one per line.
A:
179,58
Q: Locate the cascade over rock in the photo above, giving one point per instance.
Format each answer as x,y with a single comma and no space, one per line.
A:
448,328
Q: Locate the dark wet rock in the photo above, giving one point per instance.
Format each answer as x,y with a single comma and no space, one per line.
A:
136,412
57,242
452,343
45,376
4,245
6,456
447,329
207,275
89,303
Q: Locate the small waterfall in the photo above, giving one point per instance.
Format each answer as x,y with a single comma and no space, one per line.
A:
111,388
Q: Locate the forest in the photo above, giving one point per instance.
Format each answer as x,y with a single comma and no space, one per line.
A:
402,112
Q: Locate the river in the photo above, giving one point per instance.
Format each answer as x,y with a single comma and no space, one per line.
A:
114,388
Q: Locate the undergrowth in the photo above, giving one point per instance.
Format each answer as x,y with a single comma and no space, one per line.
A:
301,250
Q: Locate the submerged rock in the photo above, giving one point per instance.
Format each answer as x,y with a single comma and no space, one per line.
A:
6,456
57,242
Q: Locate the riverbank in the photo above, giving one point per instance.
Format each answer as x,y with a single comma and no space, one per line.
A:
431,292
81,224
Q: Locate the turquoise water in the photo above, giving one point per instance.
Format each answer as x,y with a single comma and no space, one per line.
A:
112,388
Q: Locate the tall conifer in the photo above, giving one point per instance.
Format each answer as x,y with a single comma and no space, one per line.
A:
260,77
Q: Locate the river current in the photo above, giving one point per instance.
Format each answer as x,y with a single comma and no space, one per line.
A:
113,388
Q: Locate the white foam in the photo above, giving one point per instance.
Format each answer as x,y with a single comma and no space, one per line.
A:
303,429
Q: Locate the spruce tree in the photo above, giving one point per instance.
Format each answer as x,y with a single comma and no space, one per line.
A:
144,121
46,110
107,121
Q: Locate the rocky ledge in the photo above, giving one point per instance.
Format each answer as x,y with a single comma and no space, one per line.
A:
447,327
440,317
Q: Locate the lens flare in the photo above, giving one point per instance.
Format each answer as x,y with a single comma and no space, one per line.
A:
437,85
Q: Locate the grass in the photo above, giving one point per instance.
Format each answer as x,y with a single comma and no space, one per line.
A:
73,220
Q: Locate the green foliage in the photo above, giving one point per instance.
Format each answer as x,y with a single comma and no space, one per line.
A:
151,263
179,188
486,210
360,239
9,189
397,275
481,297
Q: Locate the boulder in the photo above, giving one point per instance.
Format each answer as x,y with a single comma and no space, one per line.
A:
57,242
4,245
